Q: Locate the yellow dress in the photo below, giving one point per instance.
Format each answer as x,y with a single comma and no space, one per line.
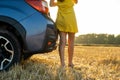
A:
66,20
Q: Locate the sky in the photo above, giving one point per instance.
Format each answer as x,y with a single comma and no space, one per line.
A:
95,16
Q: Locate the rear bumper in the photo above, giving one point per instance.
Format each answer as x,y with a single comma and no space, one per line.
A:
44,42
50,38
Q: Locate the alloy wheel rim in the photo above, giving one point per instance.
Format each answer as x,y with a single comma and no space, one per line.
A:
6,52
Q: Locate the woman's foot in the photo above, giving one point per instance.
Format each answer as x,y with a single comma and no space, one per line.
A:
71,65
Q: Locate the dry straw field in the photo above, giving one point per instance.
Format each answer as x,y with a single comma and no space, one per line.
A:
91,63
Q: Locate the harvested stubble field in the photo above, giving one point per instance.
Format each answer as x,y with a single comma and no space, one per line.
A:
91,63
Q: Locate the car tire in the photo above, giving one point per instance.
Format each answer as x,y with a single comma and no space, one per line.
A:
10,50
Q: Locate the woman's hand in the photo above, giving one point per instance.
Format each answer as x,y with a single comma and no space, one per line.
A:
53,3
75,1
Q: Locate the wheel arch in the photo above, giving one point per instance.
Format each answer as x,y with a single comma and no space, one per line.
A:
14,27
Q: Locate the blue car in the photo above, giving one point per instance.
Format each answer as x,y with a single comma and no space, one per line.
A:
25,29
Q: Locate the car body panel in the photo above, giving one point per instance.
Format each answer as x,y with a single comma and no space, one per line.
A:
33,24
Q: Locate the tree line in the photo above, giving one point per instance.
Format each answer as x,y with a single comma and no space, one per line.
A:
98,39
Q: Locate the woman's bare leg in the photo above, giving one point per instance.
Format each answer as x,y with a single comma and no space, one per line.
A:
71,37
62,47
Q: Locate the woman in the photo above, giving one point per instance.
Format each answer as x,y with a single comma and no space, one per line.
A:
66,24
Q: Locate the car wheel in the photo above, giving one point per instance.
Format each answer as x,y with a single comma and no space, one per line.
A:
10,50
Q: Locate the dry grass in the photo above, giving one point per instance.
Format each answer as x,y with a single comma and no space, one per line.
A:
91,63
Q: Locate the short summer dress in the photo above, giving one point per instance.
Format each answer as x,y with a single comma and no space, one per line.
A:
66,20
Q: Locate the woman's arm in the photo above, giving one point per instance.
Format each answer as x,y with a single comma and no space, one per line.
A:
53,3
